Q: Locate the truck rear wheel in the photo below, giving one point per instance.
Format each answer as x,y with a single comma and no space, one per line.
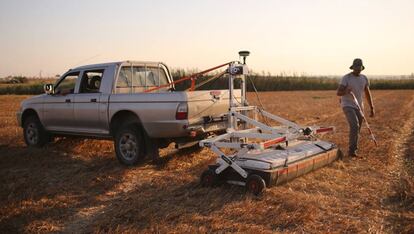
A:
129,145
34,133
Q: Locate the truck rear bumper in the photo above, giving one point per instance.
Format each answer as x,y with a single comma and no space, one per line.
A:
208,127
182,129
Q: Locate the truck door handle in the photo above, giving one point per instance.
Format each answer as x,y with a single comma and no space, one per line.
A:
93,100
67,100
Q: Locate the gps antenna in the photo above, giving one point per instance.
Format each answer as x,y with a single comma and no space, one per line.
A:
244,54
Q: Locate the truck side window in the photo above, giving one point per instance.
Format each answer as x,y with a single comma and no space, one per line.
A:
91,81
124,82
152,77
137,79
66,85
163,77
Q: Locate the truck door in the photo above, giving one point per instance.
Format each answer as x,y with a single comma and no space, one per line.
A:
58,107
88,102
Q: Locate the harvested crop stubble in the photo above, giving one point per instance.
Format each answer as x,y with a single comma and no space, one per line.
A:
77,185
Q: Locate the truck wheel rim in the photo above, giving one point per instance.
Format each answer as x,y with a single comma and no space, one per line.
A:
208,180
32,134
128,146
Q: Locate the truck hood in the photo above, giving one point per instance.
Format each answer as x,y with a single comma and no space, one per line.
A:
35,99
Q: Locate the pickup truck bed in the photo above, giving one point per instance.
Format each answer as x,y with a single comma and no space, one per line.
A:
205,111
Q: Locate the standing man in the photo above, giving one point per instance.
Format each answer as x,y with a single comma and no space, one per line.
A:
358,84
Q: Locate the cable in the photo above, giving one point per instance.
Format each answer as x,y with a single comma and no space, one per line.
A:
208,80
255,91
258,99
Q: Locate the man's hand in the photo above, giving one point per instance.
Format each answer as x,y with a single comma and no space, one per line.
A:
342,90
369,98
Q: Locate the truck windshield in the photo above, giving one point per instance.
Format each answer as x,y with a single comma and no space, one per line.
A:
66,85
137,79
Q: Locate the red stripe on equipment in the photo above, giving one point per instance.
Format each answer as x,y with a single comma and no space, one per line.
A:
192,77
275,141
320,130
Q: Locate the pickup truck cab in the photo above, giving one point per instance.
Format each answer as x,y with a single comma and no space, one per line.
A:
109,101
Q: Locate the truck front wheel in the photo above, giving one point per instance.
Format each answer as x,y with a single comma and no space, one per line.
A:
129,145
34,133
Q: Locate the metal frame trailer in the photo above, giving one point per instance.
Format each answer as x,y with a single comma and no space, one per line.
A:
256,155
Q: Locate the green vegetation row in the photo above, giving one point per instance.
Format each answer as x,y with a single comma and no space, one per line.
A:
262,83
286,83
23,89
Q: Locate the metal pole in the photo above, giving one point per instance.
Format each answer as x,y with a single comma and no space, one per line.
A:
243,97
231,103
243,90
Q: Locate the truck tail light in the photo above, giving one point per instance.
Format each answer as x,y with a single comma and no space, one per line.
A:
182,111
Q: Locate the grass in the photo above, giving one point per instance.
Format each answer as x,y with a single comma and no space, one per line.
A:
27,86
284,82
261,81
22,89
287,83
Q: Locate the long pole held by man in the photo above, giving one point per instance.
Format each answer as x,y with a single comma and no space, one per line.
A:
357,84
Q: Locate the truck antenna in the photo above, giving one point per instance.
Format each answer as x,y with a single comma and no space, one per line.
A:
83,61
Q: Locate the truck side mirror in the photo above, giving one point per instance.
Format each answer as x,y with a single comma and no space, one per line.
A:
49,89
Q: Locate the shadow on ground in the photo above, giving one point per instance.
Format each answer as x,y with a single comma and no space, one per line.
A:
57,189
38,184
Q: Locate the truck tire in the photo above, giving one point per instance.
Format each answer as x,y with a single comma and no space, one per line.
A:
129,145
34,133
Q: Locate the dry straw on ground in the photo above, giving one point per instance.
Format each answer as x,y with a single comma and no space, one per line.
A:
77,185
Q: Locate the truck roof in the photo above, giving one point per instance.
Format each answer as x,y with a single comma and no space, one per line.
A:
119,63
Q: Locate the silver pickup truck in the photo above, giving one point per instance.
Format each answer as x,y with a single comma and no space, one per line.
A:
109,101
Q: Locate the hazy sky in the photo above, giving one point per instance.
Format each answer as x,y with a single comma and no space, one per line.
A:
308,36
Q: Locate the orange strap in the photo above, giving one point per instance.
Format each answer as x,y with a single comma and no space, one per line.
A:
192,77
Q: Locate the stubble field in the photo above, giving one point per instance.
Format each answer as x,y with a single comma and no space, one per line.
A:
75,185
